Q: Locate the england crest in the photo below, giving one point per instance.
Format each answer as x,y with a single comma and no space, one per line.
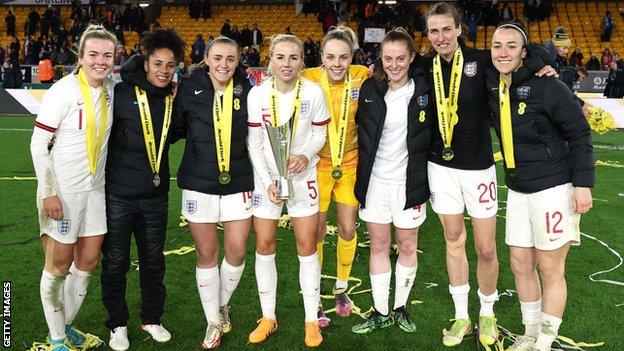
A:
523,92
238,90
305,107
191,206
355,94
64,226
470,69
422,101
256,200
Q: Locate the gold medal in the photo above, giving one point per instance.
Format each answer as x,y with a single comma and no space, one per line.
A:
336,173
447,107
222,121
156,180
224,178
447,154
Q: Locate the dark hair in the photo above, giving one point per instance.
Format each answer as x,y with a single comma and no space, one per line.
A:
582,70
518,27
443,8
398,34
163,39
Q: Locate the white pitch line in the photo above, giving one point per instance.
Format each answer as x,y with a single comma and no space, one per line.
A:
16,129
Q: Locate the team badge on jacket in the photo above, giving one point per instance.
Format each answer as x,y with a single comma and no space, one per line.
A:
355,94
523,92
238,90
470,69
422,101
191,206
305,107
64,226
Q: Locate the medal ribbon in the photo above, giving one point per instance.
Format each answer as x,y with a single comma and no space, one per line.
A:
447,107
94,143
222,120
506,125
148,128
296,108
337,137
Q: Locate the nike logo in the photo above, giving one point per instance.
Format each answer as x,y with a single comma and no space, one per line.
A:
555,239
203,286
489,208
197,92
368,100
264,292
82,295
135,103
58,310
248,208
496,88
314,204
265,109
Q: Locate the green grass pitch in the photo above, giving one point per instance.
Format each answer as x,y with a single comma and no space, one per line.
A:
594,310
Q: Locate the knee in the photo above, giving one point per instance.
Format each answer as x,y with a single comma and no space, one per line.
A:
454,236
521,267
379,246
235,255
206,256
487,252
407,248
552,273
346,230
265,247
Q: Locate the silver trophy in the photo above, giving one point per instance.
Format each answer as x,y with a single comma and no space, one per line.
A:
280,139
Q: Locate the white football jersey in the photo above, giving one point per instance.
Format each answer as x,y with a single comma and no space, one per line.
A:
313,113
62,120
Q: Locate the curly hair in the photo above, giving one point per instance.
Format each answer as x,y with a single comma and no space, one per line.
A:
163,39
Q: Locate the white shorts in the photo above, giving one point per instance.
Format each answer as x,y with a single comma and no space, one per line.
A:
543,220
206,208
385,203
303,203
452,189
84,214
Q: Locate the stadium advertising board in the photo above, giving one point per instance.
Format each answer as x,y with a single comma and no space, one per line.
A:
594,83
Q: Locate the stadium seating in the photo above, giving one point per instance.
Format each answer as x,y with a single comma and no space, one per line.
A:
581,20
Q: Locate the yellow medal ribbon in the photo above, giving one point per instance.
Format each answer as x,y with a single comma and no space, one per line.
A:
337,136
296,108
94,143
447,107
222,119
148,130
506,126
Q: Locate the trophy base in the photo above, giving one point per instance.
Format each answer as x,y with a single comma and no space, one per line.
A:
284,188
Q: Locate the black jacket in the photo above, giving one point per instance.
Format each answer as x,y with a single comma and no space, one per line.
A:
615,84
552,139
128,171
199,169
371,116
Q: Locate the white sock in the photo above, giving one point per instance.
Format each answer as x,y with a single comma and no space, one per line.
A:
208,287
75,291
266,278
51,291
310,282
230,276
460,300
380,285
341,284
404,279
487,303
549,328
531,315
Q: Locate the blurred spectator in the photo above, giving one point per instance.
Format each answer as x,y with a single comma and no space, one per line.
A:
46,21
179,71
33,20
195,8
121,56
593,64
197,49
287,31
119,34
205,9
606,59
2,55
226,29
64,57
473,20
615,81
10,24
244,57
12,75
558,47
136,50
571,75
256,37
15,49
235,34
254,57
309,53
576,59
360,57
245,36
492,14
506,13
606,25
327,18
46,74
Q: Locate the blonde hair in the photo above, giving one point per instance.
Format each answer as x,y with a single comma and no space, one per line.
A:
342,33
283,38
95,32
